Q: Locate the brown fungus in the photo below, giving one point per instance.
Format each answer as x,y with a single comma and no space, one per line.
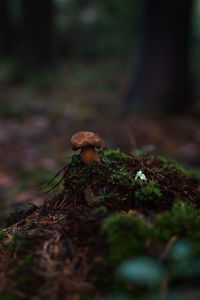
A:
87,142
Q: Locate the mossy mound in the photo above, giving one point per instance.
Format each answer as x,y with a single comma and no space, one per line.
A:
122,181
127,228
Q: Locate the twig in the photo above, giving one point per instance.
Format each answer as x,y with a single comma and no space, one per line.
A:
53,187
52,179
168,247
164,288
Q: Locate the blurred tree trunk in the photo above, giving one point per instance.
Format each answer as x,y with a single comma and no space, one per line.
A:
5,29
162,82
37,45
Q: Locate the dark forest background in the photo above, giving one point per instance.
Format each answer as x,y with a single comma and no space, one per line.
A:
161,40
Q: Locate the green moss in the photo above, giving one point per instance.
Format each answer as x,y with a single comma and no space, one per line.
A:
116,155
148,192
120,176
181,221
79,172
102,210
126,235
162,159
75,159
172,165
112,170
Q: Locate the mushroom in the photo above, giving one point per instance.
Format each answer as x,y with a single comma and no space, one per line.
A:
87,142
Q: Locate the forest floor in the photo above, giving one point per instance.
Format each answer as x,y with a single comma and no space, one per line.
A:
37,122
76,245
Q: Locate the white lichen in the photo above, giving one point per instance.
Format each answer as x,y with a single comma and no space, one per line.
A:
140,175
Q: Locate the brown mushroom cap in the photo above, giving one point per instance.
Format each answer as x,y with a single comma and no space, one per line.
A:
84,138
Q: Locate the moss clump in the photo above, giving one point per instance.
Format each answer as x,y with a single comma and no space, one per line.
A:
148,192
116,183
172,165
182,221
102,210
131,237
116,155
115,162
169,166
111,172
80,173
126,235
119,175
112,168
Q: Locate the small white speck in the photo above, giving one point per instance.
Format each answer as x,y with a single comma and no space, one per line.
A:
140,176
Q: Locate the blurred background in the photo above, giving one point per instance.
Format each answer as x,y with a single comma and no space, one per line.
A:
128,70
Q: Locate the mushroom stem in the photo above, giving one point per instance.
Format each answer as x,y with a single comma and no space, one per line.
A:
89,155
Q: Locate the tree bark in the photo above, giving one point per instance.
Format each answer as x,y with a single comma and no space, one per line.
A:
162,82
5,29
37,45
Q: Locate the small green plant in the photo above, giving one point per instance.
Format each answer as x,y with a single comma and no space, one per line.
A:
148,192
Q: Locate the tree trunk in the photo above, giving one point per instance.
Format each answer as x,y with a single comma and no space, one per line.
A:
5,29
162,82
37,46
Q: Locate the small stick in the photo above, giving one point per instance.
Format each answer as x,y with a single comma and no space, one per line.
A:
52,179
168,247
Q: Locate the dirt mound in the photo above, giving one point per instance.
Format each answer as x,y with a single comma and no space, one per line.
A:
76,244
